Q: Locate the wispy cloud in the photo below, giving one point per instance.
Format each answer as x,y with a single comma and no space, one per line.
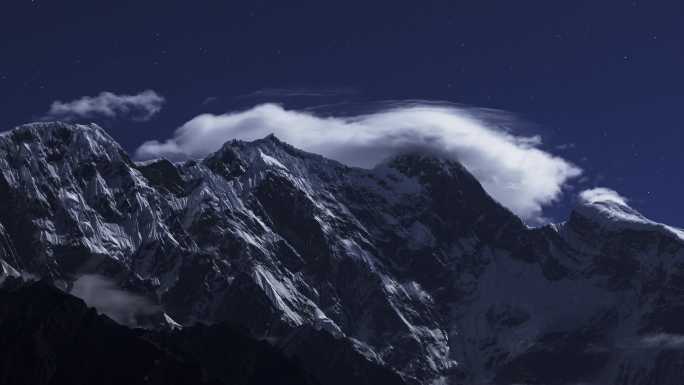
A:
513,169
663,341
104,295
282,93
657,341
602,194
140,107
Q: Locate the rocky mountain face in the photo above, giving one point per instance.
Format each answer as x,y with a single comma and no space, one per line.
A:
406,273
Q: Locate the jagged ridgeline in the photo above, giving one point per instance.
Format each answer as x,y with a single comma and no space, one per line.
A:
406,273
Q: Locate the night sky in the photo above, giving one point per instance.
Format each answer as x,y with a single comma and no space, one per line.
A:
600,81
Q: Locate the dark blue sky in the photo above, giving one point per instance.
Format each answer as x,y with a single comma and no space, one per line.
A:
604,76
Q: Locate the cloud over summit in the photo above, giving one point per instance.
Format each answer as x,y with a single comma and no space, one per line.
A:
513,169
602,194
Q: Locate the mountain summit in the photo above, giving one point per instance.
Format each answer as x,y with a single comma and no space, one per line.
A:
406,273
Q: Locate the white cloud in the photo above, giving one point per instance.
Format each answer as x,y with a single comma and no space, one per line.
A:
142,106
513,169
602,194
103,294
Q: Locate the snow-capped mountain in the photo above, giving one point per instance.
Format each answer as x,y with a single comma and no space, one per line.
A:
409,266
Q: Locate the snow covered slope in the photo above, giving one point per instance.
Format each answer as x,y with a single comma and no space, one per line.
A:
410,265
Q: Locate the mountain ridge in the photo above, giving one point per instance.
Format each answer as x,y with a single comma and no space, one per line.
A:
412,262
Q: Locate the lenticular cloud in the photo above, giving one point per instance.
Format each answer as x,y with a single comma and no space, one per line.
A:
513,169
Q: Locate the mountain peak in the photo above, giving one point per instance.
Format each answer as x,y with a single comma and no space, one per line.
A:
271,142
420,163
610,212
268,141
77,137
51,128
239,155
272,137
